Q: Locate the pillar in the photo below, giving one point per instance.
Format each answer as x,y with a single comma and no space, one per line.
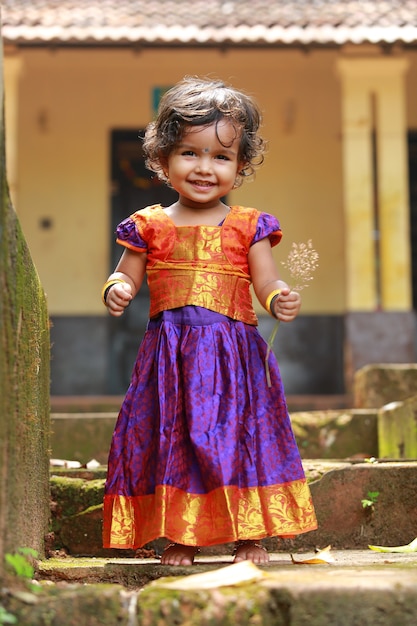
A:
378,272
379,320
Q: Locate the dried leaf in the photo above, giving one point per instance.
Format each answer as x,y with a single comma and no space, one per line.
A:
236,574
410,547
322,556
25,596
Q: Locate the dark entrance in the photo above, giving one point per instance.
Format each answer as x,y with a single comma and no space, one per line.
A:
132,187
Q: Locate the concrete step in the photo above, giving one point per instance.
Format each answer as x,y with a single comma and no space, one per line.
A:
361,588
135,573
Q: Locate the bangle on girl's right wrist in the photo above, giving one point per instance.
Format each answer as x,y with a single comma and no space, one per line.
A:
107,286
271,300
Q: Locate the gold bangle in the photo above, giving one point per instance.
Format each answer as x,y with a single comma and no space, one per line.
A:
269,299
106,287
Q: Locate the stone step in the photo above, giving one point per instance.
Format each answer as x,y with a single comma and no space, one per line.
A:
360,588
321,434
106,404
389,517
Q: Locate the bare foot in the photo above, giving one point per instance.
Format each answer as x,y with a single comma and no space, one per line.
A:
177,554
250,551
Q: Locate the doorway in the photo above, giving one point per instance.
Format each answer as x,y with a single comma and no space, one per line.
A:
133,187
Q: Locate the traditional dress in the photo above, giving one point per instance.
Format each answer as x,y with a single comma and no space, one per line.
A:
203,451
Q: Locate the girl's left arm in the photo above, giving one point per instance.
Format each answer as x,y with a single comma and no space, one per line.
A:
265,279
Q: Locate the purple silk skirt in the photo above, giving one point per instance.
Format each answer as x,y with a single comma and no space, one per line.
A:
203,450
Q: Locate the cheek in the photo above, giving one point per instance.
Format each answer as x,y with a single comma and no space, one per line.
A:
173,166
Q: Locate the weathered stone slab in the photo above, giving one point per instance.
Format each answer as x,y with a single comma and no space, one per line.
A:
134,573
379,384
397,429
337,488
77,513
304,597
344,522
346,433
327,434
75,605
73,495
82,436
346,594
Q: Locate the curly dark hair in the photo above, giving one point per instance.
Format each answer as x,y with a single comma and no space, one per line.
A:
198,101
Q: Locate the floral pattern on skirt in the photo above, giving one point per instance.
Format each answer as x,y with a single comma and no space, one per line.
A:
203,450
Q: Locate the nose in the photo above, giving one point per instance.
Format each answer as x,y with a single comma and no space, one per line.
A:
204,164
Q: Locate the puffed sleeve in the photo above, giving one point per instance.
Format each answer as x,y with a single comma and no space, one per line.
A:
268,226
127,235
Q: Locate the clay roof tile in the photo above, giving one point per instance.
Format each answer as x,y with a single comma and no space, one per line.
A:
208,22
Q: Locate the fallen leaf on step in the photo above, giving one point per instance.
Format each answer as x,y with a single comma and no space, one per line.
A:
93,464
236,574
322,556
64,463
410,547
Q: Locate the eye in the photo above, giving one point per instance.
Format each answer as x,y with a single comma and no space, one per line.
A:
222,157
187,153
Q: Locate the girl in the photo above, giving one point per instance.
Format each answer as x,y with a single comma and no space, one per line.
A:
203,452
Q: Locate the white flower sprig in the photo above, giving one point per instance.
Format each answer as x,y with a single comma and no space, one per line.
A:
301,262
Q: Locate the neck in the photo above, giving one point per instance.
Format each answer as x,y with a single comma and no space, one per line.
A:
186,215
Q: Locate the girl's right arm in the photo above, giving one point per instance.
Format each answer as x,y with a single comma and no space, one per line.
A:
129,273
266,280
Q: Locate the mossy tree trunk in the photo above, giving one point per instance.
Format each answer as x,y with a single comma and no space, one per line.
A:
24,384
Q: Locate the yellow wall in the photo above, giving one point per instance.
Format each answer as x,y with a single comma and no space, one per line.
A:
70,100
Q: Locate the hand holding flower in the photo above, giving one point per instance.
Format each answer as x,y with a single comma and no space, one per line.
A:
301,262
287,305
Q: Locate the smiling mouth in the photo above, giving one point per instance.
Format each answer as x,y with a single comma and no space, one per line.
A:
202,183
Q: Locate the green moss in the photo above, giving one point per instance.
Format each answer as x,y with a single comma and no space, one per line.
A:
76,605
74,495
71,563
336,434
246,605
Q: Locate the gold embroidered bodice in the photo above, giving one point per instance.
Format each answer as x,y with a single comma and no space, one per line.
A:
204,266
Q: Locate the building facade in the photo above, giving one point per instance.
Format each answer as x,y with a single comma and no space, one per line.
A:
339,100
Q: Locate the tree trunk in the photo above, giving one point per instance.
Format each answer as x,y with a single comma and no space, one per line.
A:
24,383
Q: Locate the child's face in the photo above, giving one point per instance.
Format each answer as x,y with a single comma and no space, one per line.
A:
201,169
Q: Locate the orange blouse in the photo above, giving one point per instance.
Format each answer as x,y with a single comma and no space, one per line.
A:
204,266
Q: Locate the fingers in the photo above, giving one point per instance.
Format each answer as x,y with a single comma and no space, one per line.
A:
287,305
118,298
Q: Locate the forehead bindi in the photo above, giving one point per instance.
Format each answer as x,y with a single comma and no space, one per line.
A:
222,135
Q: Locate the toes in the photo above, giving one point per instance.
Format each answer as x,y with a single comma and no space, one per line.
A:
177,554
250,551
